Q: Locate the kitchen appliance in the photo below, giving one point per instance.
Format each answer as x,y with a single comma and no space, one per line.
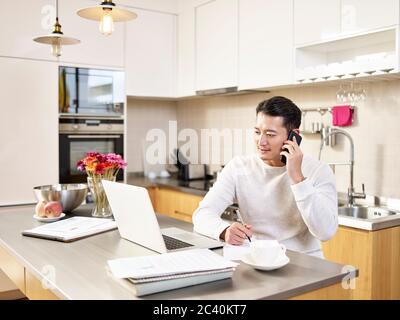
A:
230,213
91,92
186,170
189,172
77,136
227,91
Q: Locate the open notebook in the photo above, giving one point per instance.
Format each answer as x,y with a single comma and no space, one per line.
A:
71,229
156,273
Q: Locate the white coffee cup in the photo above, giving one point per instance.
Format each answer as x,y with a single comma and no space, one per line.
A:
267,252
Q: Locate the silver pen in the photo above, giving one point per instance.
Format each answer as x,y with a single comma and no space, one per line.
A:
241,220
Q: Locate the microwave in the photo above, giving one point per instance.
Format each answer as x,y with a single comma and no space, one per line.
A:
91,92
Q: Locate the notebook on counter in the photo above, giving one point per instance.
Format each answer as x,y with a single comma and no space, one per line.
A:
157,273
71,229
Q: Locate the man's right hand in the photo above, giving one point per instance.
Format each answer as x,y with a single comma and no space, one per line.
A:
236,233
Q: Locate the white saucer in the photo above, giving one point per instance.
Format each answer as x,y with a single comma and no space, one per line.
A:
247,259
44,219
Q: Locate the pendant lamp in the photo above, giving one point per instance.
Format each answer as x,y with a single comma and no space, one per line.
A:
56,39
107,13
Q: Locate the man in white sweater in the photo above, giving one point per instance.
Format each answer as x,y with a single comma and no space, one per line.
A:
295,203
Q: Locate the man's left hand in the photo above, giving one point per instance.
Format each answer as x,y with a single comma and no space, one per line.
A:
294,159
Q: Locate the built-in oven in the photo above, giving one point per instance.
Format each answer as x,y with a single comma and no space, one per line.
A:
91,92
77,136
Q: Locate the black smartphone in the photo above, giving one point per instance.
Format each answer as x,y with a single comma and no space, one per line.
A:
290,137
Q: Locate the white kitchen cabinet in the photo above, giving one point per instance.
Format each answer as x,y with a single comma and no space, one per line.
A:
362,15
316,20
95,48
216,44
186,53
21,21
151,55
186,46
265,43
28,128
168,6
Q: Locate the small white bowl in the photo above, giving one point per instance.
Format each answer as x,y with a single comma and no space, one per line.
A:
45,219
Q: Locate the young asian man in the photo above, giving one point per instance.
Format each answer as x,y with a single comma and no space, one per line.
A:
295,203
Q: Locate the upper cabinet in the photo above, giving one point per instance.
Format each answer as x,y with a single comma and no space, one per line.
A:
151,55
362,15
265,43
168,6
186,53
359,38
216,44
316,20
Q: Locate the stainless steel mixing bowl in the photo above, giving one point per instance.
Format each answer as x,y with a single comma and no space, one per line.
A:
71,195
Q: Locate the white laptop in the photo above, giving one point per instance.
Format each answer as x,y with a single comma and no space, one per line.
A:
137,221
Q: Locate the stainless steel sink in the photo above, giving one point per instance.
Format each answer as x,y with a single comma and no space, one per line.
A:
361,212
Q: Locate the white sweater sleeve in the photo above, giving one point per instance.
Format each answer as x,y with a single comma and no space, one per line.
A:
316,199
207,217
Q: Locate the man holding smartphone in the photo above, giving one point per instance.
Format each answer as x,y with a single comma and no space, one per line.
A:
282,194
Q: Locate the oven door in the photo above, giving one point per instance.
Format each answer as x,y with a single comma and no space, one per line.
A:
74,147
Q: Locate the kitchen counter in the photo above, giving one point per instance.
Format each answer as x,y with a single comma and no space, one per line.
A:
78,268
370,224
196,187
201,187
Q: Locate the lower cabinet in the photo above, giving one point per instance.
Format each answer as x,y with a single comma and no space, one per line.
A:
35,290
376,254
13,269
175,204
28,284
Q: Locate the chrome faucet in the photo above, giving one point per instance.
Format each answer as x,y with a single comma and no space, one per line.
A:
351,194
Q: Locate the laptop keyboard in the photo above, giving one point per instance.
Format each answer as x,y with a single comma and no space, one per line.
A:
172,243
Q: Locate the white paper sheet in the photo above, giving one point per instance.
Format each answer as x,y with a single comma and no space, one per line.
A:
73,227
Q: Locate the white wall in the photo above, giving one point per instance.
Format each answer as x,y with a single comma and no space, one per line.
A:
142,116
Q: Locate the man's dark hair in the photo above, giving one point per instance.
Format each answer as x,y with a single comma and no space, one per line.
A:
281,107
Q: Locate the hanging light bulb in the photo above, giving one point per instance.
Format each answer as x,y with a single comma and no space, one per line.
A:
107,13
56,39
106,25
56,49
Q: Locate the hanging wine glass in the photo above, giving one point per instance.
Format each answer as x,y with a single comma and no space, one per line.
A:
341,94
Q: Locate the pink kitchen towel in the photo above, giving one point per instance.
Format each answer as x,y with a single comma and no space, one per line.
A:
342,116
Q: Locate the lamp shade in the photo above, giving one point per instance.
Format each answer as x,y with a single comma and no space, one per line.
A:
97,12
56,37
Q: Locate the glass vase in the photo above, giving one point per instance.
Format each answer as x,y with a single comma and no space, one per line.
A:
101,206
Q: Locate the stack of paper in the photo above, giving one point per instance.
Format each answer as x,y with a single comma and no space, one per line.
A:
71,229
156,273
